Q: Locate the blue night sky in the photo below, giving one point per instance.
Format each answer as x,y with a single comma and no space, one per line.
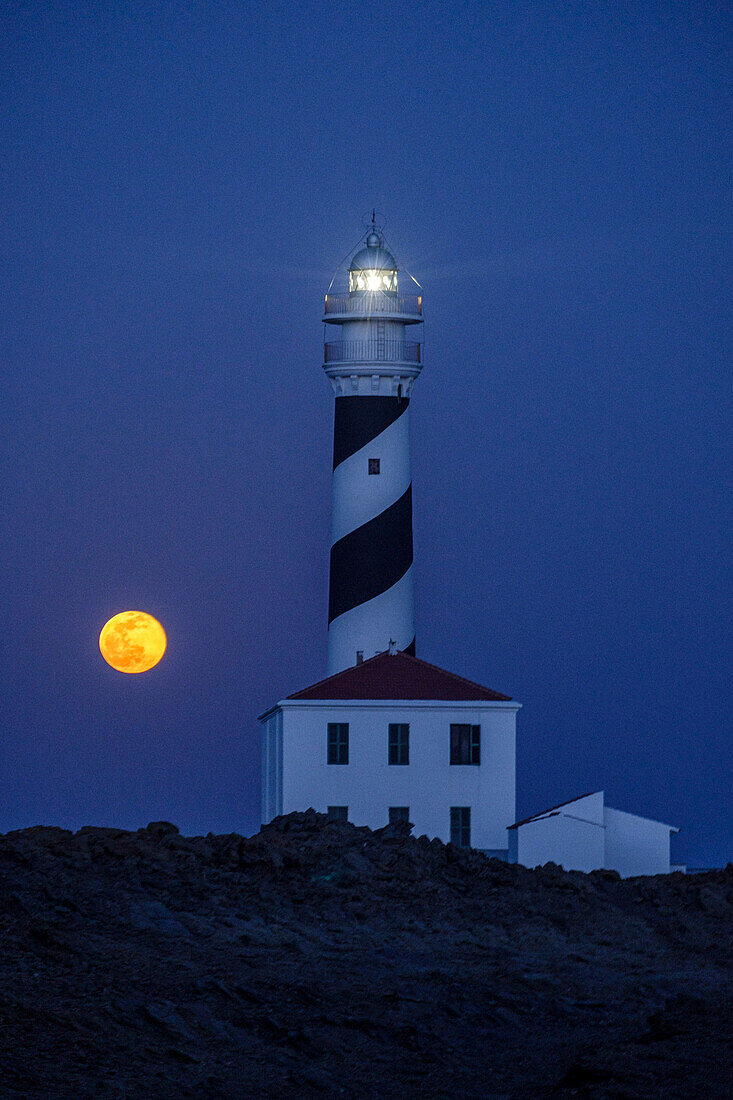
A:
179,183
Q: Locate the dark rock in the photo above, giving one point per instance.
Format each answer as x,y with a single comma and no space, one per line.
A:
161,828
579,1076
321,959
165,1016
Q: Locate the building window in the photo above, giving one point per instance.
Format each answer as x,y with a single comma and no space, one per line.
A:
338,813
465,744
399,813
399,743
338,742
460,826
373,465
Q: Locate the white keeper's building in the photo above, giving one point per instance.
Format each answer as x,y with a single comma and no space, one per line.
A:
396,738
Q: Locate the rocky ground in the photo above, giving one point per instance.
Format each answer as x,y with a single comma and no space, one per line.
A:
323,960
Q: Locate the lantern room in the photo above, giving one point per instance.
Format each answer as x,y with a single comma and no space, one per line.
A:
373,268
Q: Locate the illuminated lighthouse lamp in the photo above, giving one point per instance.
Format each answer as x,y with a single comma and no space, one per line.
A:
373,268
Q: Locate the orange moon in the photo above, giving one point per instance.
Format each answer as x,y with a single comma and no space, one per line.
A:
132,641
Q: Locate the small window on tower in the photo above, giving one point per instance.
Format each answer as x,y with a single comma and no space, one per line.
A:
373,465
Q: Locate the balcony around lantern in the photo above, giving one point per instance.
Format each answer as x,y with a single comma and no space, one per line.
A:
372,351
348,307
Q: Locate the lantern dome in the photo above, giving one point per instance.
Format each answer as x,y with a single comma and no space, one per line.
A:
373,258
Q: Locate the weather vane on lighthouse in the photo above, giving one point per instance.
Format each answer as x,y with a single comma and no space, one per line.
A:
372,368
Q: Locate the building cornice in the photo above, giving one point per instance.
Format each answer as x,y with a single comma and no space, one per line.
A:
391,704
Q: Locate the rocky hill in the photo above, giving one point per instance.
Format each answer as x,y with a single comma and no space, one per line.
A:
325,960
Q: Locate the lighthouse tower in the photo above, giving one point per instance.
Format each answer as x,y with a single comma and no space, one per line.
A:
372,367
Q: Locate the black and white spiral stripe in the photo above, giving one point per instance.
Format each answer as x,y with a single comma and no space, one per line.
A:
370,591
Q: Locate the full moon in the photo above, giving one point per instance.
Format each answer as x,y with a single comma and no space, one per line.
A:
132,641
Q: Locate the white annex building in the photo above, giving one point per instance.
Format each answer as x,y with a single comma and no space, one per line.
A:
585,835
388,736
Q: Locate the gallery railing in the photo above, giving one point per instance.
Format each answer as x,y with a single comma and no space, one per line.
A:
379,351
374,301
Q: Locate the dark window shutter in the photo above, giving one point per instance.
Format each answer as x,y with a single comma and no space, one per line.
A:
460,826
338,743
465,743
455,744
399,743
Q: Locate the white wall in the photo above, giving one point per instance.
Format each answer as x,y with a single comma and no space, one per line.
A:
272,751
573,839
429,784
636,845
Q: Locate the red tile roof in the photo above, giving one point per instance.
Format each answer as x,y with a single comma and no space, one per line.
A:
397,676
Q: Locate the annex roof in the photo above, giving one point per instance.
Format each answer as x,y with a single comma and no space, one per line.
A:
555,811
398,676
552,811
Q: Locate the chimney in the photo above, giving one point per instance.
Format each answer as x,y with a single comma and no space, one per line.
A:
360,656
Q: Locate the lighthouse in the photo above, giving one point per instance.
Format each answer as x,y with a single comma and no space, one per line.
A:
372,366
386,736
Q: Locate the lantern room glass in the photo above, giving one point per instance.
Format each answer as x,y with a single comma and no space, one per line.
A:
372,280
